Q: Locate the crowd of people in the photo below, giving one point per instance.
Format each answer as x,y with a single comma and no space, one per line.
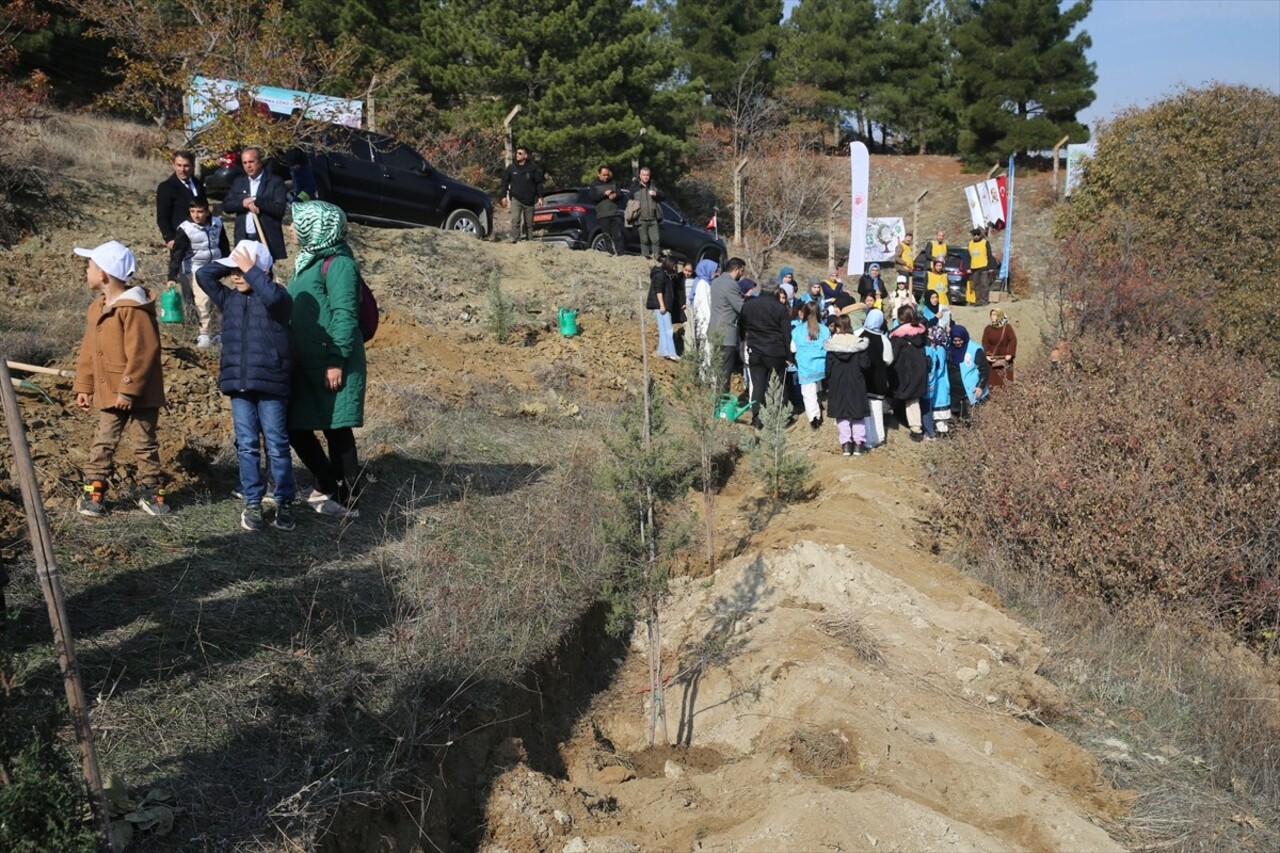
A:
292,358
859,348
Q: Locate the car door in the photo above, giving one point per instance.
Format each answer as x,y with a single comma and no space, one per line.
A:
352,180
411,190
674,234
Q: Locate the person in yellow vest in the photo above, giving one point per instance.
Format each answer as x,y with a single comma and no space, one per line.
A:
904,259
938,245
937,280
982,266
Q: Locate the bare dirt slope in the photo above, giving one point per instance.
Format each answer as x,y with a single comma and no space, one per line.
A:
854,693
850,692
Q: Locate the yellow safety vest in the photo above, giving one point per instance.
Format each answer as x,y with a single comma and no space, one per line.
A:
937,250
938,281
978,255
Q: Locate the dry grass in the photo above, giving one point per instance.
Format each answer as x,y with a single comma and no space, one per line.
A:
108,149
848,629
819,754
1183,718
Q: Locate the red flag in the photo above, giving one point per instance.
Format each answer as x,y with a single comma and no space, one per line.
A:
711,226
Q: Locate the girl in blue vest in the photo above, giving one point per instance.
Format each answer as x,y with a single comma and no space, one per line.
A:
935,405
808,339
968,370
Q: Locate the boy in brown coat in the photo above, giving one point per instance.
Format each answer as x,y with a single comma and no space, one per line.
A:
119,374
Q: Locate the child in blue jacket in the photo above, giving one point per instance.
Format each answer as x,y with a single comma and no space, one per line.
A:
255,373
808,339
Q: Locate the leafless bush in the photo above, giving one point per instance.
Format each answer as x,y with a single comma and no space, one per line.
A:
819,753
787,189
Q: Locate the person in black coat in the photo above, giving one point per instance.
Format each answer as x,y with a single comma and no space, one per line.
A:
522,190
664,304
909,373
766,325
607,196
847,403
258,191
174,196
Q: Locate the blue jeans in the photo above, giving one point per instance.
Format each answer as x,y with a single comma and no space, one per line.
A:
666,341
255,414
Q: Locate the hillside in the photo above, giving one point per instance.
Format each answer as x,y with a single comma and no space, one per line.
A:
865,694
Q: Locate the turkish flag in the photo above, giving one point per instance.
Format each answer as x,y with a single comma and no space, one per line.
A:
711,226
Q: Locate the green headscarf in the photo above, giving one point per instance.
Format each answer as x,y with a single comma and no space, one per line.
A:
321,228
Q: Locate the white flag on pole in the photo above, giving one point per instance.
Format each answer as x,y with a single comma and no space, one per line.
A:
976,215
860,168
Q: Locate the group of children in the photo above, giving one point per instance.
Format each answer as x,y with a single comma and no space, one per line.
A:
860,347
119,370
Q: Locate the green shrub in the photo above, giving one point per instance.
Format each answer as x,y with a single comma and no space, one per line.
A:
502,311
41,805
784,471
1187,187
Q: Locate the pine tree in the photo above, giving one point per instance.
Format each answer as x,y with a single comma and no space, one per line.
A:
784,470
916,100
589,77
836,47
719,38
1022,78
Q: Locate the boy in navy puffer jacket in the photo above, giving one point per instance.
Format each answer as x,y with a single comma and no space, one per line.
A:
255,373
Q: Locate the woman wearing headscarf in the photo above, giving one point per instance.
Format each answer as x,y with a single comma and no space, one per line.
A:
909,374
1001,346
968,370
327,393
930,310
879,358
935,406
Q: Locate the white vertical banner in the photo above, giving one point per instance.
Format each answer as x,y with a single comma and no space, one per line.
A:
975,206
996,216
860,169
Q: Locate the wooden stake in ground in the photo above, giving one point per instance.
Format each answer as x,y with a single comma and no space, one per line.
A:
51,586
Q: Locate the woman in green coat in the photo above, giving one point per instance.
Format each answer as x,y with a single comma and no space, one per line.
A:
329,379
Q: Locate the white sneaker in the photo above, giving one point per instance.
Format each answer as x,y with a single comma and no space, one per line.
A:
204,342
325,505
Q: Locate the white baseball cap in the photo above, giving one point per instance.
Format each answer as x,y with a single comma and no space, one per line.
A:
259,252
113,257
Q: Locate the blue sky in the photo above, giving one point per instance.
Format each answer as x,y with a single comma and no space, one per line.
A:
1144,49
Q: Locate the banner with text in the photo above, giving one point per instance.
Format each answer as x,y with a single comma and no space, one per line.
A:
211,97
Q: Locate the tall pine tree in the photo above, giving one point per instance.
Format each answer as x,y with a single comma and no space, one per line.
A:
588,74
721,38
1022,78
836,47
916,102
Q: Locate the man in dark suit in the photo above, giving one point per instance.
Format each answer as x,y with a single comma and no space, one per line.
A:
261,193
175,194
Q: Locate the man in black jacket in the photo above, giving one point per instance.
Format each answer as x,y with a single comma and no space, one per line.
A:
174,196
522,188
260,193
605,194
644,189
766,325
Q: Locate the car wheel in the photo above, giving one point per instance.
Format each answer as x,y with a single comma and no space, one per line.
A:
464,221
710,253
602,242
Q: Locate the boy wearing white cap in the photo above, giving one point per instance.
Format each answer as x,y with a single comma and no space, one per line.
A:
119,374
256,369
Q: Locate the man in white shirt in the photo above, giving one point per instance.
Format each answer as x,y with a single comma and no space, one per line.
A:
263,195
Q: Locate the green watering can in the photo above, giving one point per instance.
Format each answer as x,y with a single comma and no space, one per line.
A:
568,322
729,409
171,305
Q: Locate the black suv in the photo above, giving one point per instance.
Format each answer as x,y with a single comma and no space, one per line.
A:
376,179
568,216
